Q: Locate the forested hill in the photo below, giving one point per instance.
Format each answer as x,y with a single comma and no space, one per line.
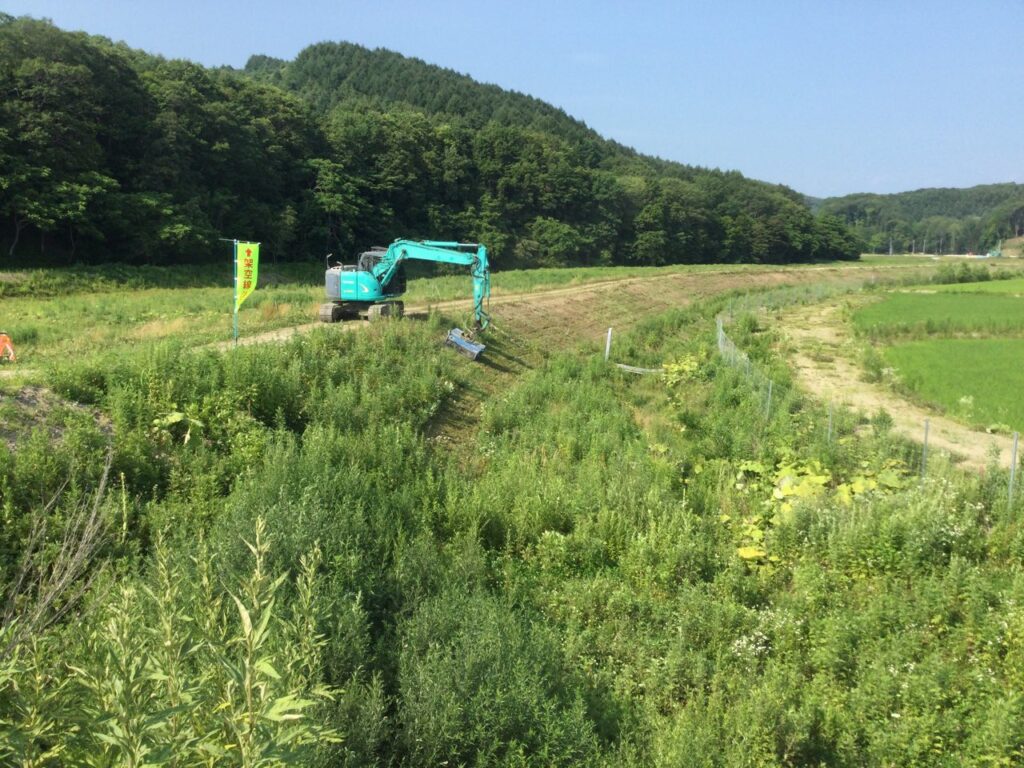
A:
329,74
934,220
110,154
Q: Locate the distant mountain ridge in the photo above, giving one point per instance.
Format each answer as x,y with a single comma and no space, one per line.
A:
944,219
685,213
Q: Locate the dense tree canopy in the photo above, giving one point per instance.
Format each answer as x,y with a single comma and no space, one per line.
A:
934,220
109,154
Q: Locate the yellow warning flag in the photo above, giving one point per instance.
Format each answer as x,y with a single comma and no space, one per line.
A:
247,261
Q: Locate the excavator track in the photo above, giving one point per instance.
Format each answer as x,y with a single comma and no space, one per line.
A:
385,309
331,312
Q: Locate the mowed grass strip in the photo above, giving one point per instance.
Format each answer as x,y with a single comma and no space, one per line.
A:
917,314
460,285
976,380
49,329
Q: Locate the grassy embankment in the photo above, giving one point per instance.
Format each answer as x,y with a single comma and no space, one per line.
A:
626,571
1013,287
54,314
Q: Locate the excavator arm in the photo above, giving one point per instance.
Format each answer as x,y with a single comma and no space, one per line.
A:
473,255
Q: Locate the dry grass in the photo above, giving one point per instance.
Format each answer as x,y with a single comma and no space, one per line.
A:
271,310
1014,247
820,329
161,329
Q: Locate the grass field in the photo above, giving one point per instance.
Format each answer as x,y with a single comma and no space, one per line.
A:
905,259
597,569
50,329
52,315
52,282
946,313
426,281
1013,287
978,381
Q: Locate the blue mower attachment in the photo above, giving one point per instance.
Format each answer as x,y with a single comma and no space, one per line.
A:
457,339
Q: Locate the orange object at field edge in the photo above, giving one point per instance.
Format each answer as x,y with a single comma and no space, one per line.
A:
7,348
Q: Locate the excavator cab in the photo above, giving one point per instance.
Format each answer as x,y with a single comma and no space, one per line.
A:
355,290
369,261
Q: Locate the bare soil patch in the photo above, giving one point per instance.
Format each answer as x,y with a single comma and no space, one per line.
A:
32,407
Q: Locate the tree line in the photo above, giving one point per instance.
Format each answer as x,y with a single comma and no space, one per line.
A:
934,220
110,154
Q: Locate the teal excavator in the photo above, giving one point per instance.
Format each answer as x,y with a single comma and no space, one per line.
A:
372,287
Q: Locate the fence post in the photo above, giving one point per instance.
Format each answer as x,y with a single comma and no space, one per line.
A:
829,436
1013,464
768,408
608,345
924,450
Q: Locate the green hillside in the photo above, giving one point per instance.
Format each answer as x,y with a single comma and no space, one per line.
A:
329,74
934,220
110,154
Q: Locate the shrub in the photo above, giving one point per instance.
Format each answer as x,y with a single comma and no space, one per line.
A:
479,684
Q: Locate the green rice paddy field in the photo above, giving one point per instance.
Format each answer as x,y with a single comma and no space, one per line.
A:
976,380
959,347
1014,287
942,313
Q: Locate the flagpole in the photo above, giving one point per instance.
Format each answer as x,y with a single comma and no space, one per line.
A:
234,248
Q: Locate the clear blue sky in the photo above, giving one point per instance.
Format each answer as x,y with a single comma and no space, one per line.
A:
826,96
